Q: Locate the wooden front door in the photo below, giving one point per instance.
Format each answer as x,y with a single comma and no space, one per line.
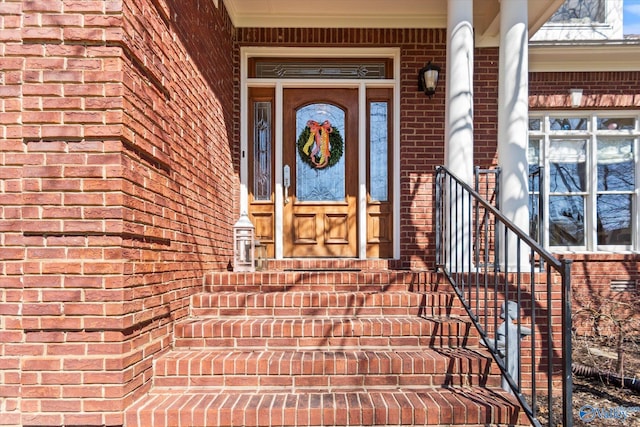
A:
320,158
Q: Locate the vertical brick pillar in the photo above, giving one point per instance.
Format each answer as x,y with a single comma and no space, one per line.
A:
115,170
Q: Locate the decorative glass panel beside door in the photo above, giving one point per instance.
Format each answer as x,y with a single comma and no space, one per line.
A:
261,161
379,173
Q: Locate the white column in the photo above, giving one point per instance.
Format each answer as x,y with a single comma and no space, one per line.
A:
459,101
459,124
513,117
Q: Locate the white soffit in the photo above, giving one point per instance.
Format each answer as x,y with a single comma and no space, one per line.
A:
338,13
376,14
612,56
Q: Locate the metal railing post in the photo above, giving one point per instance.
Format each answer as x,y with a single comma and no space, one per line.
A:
567,330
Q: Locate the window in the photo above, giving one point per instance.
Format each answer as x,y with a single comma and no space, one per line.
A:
583,181
584,20
580,11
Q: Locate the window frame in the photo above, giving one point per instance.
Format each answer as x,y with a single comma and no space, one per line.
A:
591,134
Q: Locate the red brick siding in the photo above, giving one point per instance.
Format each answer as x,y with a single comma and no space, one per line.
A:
601,90
116,164
485,107
599,309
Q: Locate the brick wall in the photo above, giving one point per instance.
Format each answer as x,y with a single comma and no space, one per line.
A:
601,90
600,309
116,165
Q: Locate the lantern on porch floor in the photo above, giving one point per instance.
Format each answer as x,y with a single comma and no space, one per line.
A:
261,256
244,245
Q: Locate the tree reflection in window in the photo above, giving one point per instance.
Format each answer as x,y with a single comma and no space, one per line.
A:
567,184
580,12
535,179
616,182
379,154
566,221
569,123
588,181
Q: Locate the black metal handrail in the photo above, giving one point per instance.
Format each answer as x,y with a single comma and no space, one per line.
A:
493,264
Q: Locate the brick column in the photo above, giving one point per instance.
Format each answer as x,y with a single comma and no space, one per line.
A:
116,170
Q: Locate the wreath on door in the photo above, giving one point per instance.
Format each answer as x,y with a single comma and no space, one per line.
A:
320,145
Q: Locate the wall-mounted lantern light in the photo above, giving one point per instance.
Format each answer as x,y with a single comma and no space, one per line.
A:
244,250
428,79
576,97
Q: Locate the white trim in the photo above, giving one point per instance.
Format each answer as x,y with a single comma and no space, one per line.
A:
362,171
279,199
396,160
584,57
362,85
351,14
244,123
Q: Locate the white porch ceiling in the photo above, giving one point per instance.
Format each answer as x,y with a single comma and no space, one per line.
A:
378,14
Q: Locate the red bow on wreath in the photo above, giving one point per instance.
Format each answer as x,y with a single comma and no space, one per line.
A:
318,142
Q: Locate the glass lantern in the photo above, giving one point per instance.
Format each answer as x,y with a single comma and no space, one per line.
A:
261,256
244,245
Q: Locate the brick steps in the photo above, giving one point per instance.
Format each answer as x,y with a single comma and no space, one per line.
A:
332,370
432,406
365,348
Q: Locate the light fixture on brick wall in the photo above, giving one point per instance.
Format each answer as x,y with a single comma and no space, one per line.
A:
576,97
428,79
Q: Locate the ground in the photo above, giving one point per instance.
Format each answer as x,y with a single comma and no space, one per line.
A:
599,402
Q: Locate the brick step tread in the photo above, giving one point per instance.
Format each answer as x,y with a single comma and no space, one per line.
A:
319,275
324,333
312,327
318,278
305,286
295,370
462,406
325,304
281,362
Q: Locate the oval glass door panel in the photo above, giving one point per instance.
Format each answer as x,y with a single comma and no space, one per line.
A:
320,153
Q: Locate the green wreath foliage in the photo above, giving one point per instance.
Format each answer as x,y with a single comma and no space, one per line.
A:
335,142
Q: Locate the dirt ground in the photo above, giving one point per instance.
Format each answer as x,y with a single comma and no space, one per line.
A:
596,402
